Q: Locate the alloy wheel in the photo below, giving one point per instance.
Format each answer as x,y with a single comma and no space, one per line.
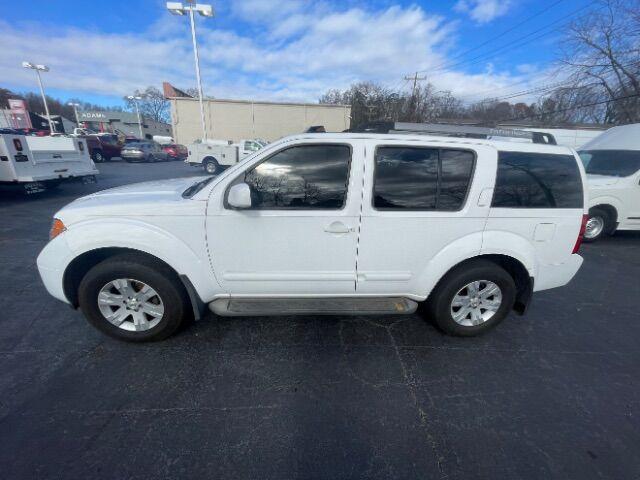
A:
475,303
594,227
130,304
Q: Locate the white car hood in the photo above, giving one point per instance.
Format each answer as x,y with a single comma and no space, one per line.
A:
155,198
596,181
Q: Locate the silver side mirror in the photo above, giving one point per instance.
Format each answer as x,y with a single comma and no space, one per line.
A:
239,196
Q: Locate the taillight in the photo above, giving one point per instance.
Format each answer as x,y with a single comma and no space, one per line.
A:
583,226
18,144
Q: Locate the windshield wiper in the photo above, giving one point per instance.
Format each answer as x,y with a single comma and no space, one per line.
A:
196,187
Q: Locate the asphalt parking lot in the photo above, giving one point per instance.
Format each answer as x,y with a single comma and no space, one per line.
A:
554,394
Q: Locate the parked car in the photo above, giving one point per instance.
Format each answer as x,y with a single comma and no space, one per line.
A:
143,151
176,151
612,162
216,155
103,147
328,223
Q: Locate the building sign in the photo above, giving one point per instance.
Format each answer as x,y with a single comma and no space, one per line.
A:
92,115
19,116
19,107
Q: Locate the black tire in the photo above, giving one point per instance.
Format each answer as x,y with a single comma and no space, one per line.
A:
177,309
98,156
211,166
438,305
598,214
151,159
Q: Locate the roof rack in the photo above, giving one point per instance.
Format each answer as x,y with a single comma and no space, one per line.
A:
468,131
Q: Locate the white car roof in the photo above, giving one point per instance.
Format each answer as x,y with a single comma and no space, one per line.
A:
625,137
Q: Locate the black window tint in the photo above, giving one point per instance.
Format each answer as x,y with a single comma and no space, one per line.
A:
537,180
457,168
406,178
422,178
310,176
618,163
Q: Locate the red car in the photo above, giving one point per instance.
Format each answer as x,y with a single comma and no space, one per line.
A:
176,152
103,147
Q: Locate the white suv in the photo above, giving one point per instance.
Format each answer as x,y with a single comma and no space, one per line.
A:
327,224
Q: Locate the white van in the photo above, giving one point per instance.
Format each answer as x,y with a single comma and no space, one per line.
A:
612,162
324,224
33,163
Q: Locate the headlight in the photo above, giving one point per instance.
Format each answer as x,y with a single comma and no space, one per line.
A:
57,227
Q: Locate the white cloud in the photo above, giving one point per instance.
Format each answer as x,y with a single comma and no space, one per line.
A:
307,50
483,11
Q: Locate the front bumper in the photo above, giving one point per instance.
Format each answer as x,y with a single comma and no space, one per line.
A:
52,263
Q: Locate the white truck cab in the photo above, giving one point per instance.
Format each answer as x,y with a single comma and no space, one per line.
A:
612,163
215,155
33,163
325,224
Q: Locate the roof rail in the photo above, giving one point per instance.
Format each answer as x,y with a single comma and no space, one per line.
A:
468,131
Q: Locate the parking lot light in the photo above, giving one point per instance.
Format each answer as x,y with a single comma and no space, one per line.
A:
134,99
179,8
38,69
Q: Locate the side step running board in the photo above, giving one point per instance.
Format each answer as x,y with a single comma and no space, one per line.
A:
230,307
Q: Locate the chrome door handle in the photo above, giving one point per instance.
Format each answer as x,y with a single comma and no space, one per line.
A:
337,227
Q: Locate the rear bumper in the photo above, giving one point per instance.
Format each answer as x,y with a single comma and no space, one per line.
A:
552,276
52,263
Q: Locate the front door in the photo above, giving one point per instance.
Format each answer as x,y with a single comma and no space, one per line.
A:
299,235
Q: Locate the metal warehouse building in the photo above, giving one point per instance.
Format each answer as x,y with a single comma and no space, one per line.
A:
237,119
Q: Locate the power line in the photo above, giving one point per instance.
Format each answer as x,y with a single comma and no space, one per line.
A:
447,65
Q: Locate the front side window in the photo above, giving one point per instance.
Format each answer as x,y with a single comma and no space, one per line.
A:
414,178
537,180
303,177
617,163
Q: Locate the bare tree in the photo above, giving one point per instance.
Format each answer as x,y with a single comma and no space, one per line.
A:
601,53
153,104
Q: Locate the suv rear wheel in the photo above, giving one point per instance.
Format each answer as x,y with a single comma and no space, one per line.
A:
133,298
472,298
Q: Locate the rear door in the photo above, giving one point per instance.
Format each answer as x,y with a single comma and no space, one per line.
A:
419,201
539,197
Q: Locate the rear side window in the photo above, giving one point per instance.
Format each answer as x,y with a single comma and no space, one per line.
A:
412,178
537,180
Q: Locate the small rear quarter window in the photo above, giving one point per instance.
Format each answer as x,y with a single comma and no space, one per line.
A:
537,180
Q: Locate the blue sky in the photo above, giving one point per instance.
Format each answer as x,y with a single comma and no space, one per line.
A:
282,49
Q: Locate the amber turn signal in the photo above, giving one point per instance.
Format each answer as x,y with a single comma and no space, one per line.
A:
57,227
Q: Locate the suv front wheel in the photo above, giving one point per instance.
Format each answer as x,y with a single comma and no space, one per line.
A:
133,298
472,298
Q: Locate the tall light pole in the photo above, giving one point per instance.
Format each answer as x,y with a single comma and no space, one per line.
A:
75,111
178,8
134,99
38,69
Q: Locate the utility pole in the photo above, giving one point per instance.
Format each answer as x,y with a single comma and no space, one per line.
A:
415,79
38,69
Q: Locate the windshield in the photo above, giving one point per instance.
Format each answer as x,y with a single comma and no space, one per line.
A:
616,163
196,187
